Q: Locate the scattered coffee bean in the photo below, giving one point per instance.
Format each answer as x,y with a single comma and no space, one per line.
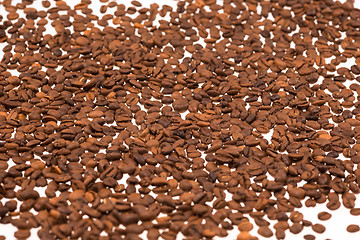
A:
355,211
309,237
153,119
265,231
244,236
245,226
318,228
323,216
352,228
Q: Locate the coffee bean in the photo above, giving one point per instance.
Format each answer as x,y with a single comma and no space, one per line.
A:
244,236
180,105
199,209
95,114
324,216
182,124
82,41
296,228
136,3
38,165
153,234
355,211
245,226
352,228
265,231
309,237
22,234
318,228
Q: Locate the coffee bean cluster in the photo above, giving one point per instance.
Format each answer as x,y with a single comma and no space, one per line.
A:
211,114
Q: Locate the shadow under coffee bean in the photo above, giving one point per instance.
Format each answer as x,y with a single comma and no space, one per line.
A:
153,121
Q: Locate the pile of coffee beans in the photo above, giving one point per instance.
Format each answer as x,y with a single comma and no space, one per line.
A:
182,122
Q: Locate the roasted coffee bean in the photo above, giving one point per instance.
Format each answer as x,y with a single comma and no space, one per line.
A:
245,226
180,105
318,228
324,216
355,211
158,119
296,228
265,231
353,228
244,236
309,237
22,234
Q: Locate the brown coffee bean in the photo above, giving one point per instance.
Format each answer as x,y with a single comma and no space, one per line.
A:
38,165
158,181
318,228
95,114
309,237
180,124
352,228
245,226
244,236
82,41
355,211
153,234
298,193
12,16
265,231
296,228
136,3
76,195
180,105
199,209
22,234
208,233
324,216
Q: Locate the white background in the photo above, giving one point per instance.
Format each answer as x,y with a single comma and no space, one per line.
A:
335,227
